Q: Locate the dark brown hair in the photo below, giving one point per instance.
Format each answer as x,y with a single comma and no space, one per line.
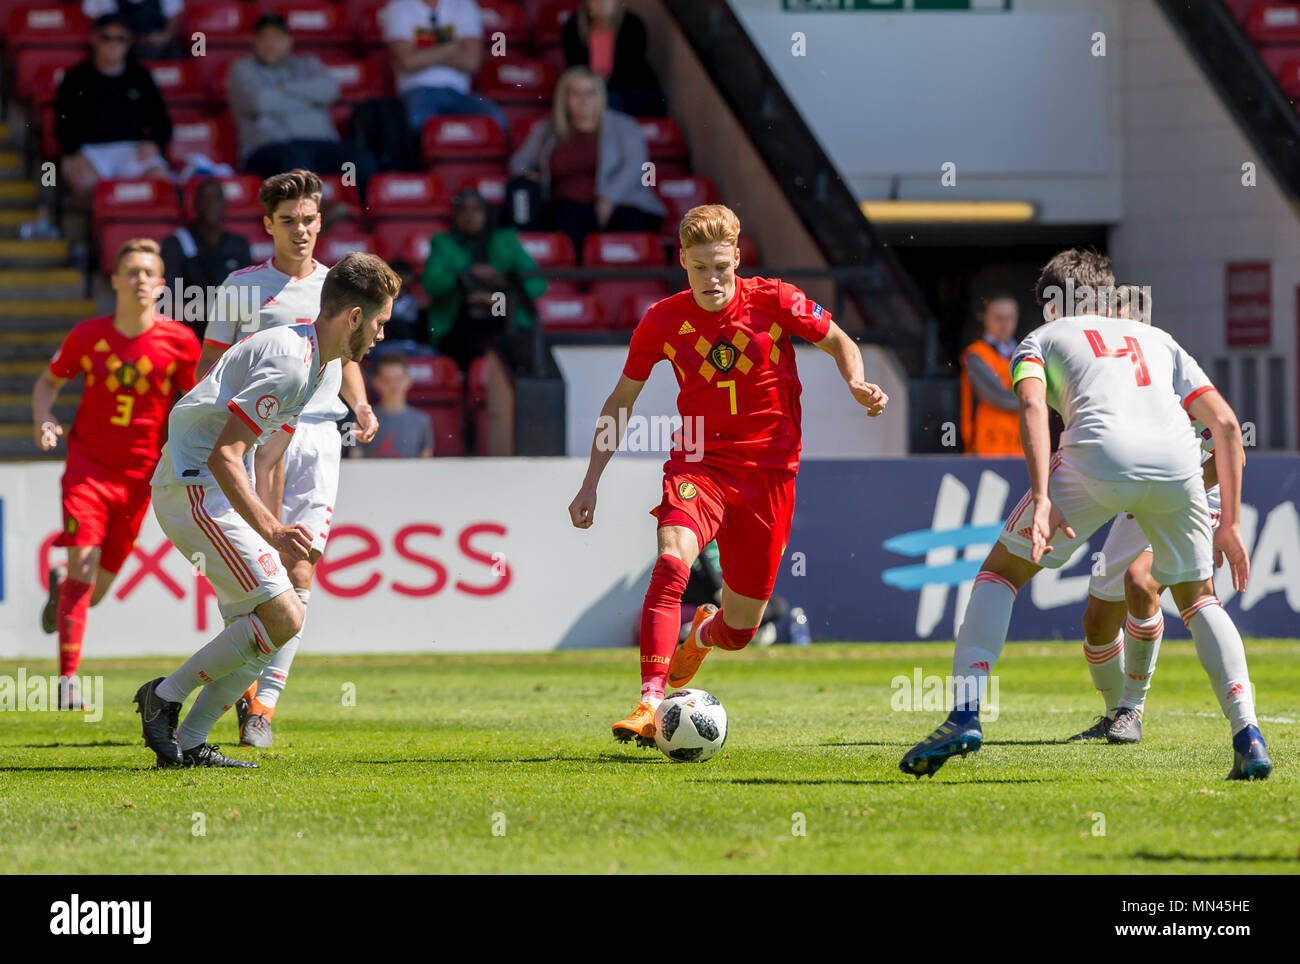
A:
1072,270
137,246
292,185
358,279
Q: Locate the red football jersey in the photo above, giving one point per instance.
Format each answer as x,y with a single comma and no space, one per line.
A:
735,369
130,386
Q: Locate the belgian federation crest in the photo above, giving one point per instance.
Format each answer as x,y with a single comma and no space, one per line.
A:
686,490
127,374
723,355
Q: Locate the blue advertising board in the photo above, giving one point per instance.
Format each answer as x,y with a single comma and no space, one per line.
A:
887,550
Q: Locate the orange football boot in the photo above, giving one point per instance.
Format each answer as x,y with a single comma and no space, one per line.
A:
689,655
639,726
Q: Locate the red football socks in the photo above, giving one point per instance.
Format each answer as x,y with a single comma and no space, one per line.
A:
74,601
717,633
661,621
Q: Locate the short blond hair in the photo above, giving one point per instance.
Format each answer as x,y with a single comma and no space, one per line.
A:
137,246
707,224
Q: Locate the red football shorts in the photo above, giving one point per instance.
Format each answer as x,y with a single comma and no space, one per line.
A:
748,511
103,512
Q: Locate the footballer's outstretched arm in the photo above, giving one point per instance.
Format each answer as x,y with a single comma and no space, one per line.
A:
1217,415
609,436
227,466
46,427
848,358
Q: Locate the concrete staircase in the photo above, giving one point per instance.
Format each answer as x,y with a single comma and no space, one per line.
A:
41,298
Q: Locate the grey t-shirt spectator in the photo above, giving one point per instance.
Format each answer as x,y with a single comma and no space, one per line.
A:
402,435
283,103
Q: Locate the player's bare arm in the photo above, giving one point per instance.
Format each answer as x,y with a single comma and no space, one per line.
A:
227,466
354,393
1217,415
616,410
848,358
210,355
45,426
268,465
1036,438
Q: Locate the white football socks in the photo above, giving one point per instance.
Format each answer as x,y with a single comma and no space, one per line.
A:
981,637
275,673
1106,664
1142,646
243,639
1222,653
214,700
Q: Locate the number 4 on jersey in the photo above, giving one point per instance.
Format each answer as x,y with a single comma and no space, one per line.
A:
1131,349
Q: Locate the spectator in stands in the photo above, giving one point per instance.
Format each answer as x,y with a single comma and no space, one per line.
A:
153,24
202,254
110,118
589,162
437,47
280,102
990,411
404,432
611,40
472,277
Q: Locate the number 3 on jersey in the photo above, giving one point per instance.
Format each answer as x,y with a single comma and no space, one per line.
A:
125,405
1131,349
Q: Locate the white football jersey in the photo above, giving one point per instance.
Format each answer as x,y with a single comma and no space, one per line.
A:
1123,388
266,379
262,296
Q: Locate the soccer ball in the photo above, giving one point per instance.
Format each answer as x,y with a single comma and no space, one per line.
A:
690,726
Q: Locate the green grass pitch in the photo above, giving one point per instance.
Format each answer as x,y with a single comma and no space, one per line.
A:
505,764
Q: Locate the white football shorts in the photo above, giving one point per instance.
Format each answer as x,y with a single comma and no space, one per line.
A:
1125,542
311,479
1175,516
245,571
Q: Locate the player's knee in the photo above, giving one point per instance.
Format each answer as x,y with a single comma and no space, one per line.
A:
729,638
1100,624
1142,591
282,617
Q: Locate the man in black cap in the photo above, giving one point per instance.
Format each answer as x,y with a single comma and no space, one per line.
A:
281,103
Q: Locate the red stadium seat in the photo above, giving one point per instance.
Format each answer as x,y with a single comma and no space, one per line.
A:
342,240
509,19
521,126
411,196
448,429
316,26
1273,22
336,193
634,305
405,241
259,242
365,22
512,82
179,81
47,25
116,200
551,249
215,70
664,144
570,313
623,250
223,23
38,72
435,378
212,137
550,22
460,146
241,197
357,79
750,257
680,194
490,184
113,234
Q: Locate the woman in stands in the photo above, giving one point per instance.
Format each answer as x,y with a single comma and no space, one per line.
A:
590,163
611,40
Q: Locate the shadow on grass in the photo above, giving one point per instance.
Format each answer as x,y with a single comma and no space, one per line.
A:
76,769
1175,857
602,758
893,743
60,746
776,781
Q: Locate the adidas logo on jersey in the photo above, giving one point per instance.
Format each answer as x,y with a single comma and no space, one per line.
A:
269,302
686,329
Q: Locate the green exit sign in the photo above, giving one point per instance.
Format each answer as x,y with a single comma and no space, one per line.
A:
891,5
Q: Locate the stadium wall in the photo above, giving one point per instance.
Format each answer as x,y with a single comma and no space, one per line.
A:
479,556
